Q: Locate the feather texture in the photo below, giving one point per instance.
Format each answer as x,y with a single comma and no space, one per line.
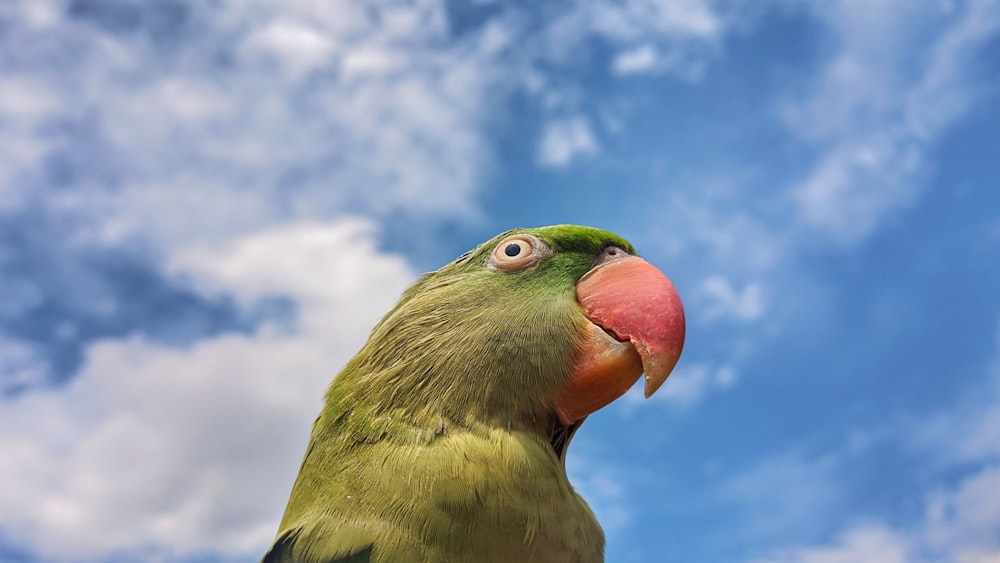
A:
435,440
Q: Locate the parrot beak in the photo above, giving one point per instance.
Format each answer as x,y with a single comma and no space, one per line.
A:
636,326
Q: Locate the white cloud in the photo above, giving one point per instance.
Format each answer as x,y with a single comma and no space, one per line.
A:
677,37
297,45
879,104
631,20
966,519
992,556
194,449
371,61
688,384
39,14
20,366
600,484
855,187
717,227
963,519
784,495
322,273
565,139
960,520
967,434
635,61
301,109
24,104
23,98
960,526
891,87
870,544
647,59
725,300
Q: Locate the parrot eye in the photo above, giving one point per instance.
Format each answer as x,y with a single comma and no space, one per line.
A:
518,252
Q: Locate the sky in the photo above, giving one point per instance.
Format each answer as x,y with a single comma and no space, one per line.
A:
205,206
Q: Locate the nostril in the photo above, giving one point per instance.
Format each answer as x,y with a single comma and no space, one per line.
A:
609,254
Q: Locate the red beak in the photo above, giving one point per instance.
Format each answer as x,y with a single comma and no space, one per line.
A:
636,326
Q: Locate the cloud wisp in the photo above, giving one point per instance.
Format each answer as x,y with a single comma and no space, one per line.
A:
958,520
879,105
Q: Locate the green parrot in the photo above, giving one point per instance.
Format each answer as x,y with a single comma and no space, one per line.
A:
444,439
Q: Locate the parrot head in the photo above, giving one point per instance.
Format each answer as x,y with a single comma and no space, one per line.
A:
445,437
536,328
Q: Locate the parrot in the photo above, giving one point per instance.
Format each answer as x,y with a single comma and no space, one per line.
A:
444,439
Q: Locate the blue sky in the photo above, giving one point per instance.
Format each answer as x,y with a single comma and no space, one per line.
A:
204,206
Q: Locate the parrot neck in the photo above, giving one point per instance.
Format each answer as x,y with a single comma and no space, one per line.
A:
445,492
561,435
350,412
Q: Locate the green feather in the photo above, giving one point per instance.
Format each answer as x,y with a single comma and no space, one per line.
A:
436,440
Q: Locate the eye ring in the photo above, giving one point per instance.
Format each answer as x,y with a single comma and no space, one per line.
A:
517,252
